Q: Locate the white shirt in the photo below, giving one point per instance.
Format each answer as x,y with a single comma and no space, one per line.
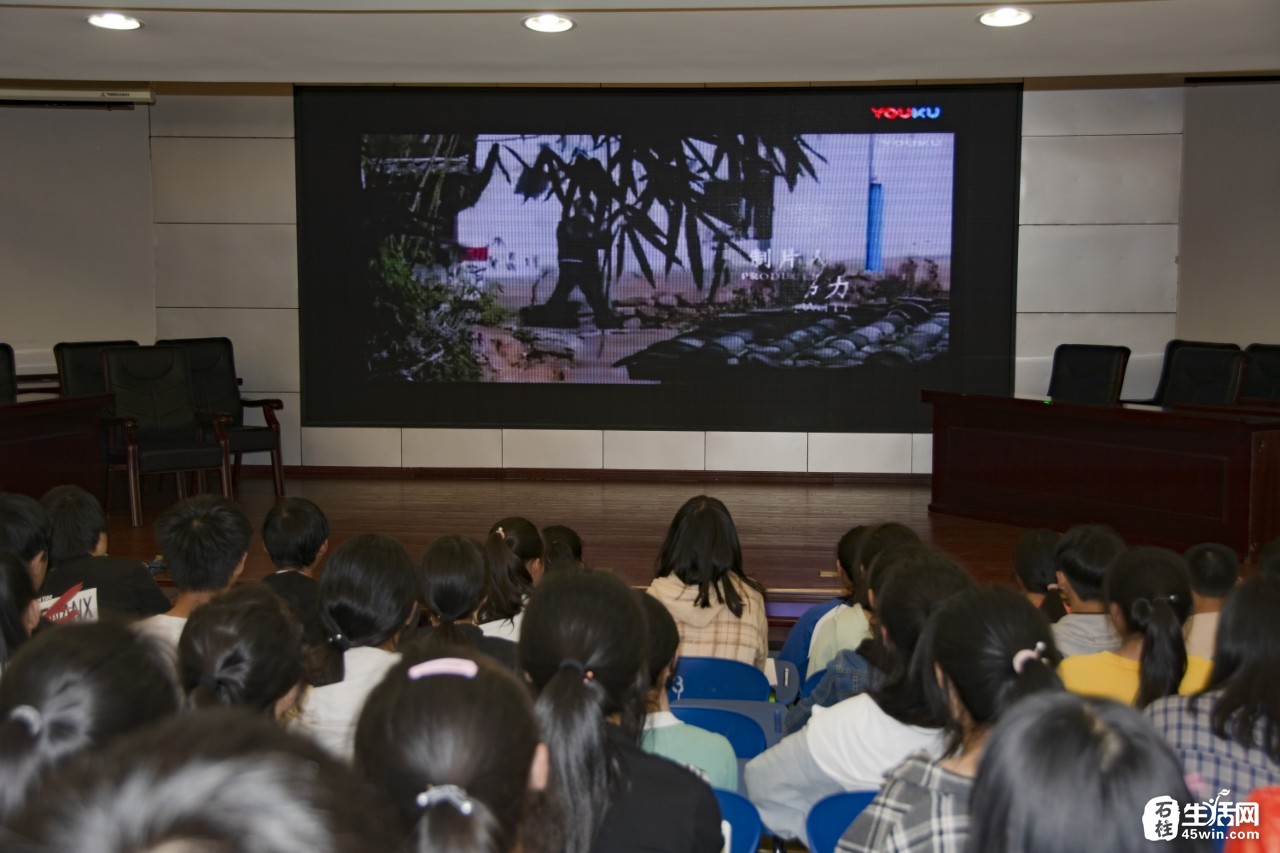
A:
330,713
164,628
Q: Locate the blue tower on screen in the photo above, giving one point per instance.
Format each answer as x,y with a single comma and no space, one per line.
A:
875,212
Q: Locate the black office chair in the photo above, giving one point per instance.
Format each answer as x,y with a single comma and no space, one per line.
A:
1261,379
80,366
156,411
1171,349
8,375
1203,376
1086,373
217,389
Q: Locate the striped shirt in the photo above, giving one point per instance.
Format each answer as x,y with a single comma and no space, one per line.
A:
922,808
1220,762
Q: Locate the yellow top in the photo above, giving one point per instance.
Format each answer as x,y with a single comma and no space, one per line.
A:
1109,675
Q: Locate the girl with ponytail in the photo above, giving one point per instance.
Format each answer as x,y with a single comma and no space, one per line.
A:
583,647
453,744
984,650
1148,594
452,577
513,562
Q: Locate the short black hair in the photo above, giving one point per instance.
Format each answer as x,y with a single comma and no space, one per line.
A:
25,529
1214,568
77,519
203,539
1083,555
294,531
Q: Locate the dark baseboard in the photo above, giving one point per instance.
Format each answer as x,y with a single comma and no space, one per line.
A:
596,475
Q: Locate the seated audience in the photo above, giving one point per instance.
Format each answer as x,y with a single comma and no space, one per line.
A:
1062,774
1229,735
452,742
562,549
243,648
368,596
1083,555
583,648
851,745
72,690
1148,592
1215,570
27,532
452,583
19,608
296,533
215,780
985,650
708,754
797,645
513,562
717,607
205,540
1036,572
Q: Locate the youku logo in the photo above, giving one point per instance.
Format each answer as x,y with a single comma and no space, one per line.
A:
906,112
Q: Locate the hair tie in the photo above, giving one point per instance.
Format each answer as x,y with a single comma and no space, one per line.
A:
501,533
212,682
461,667
30,717
1026,656
1168,599
577,666
1052,586
340,641
451,794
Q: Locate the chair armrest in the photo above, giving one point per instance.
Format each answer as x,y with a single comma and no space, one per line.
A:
128,430
221,421
269,406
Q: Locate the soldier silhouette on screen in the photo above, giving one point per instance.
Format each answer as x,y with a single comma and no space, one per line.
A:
579,241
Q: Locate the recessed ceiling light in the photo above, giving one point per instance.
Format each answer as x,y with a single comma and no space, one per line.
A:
1005,16
114,21
549,22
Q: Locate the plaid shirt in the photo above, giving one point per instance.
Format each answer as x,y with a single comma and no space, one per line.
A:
724,635
922,808
1220,762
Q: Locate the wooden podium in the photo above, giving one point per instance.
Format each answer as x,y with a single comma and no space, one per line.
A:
45,443
1168,477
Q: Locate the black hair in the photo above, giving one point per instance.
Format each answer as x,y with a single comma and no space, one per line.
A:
203,539
214,780
1214,569
511,545
1246,661
1083,555
25,528
1152,591
1269,558
664,637
294,530
243,647
467,722
702,550
367,593
919,580
562,551
452,576
877,539
77,521
16,595
847,560
1037,571
582,644
994,648
72,689
1061,773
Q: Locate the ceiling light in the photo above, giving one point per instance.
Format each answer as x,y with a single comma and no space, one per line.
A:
1005,16
114,21
549,22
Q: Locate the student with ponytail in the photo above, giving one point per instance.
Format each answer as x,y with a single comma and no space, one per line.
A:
583,647
985,649
452,579
453,744
19,607
513,561
562,549
368,596
1148,594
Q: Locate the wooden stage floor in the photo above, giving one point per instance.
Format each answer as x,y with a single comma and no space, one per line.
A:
788,531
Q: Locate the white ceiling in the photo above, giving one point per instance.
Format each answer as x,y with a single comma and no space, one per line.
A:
637,41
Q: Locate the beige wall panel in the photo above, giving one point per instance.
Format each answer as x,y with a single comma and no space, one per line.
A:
922,453
757,451
290,418
357,447
1102,112
224,180
1098,268
661,450
265,340
452,448
216,115
226,266
1100,179
552,448
860,453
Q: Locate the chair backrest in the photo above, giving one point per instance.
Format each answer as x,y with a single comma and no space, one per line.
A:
1087,373
743,733
811,683
1261,379
1209,377
743,820
771,717
1171,349
8,375
80,366
831,816
717,678
153,386
786,685
213,375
